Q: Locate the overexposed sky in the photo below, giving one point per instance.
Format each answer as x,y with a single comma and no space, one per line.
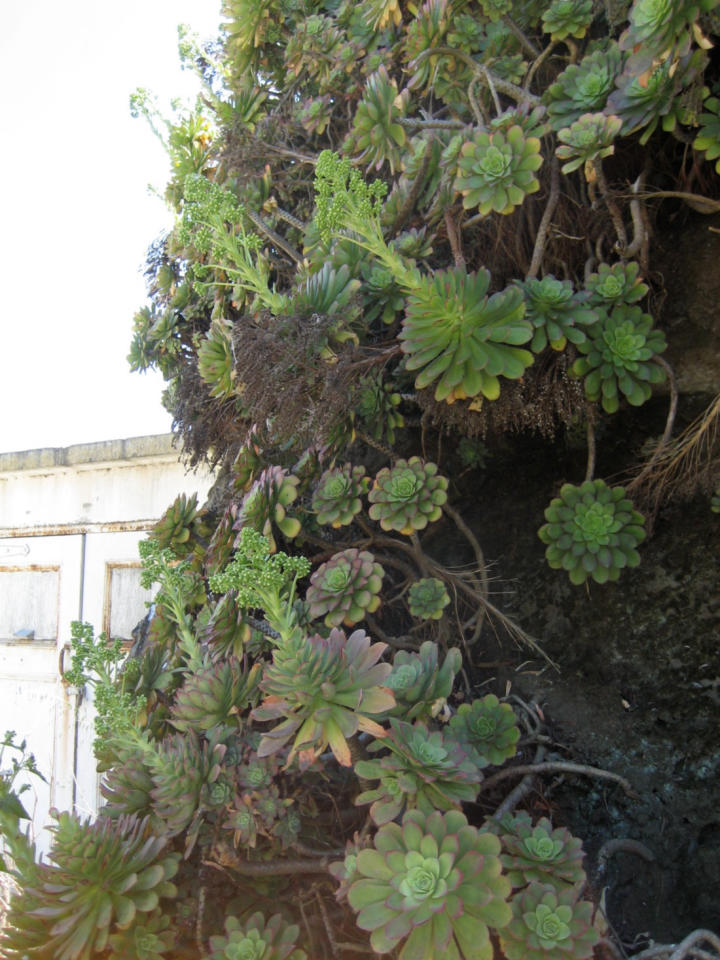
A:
77,216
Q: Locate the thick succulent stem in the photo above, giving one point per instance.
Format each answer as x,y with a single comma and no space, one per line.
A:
542,234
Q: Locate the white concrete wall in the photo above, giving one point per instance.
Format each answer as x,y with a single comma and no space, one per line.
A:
70,522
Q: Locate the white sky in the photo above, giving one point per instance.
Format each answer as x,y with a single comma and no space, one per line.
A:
77,216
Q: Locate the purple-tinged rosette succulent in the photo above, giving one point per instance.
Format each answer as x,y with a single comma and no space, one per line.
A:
214,696
423,770
611,286
408,496
540,852
432,884
487,730
592,531
265,505
421,686
257,939
337,497
496,171
427,598
547,924
345,588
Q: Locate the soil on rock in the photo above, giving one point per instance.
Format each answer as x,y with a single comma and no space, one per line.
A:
637,692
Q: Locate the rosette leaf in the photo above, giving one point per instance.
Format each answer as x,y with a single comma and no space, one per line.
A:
587,140
215,360
102,876
455,334
555,311
427,598
407,496
567,18
487,730
326,689
329,292
257,939
147,939
592,531
583,87
432,883
419,683
337,496
547,923
618,358
265,505
379,14
496,171
708,138
540,853
424,770
345,588
377,137
611,286
214,696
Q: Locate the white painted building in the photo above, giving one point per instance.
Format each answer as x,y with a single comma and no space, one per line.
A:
70,522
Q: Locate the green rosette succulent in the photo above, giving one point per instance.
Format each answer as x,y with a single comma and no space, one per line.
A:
540,853
657,25
127,785
336,500
556,311
102,877
708,139
265,505
496,171
257,939
174,530
567,18
331,293
324,690
611,286
377,137
148,939
215,361
407,496
587,140
376,409
592,531
427,598
432,883
345,588
180,769
455,334
487,730
583,87
424,770
421,686
618,358
214,696
547,923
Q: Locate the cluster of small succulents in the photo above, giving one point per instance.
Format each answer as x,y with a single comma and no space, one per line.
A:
592,531
345,588
407,496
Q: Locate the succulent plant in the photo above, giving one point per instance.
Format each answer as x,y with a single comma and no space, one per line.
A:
257,939
225,632
424,770
337,496
567,18
592,531
175,528
583,87
377,137
434,884
421,686
326,689
180,769
345,588
214,696
610,286
556,311
127,785
496,171
657,25
407,496
382,296
587,140
540,853
102,876
265,505
147,939
618,358
708,138
376,407
487,730
547,923
329,292
215,360
455,334
379,14
427,598
715,501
